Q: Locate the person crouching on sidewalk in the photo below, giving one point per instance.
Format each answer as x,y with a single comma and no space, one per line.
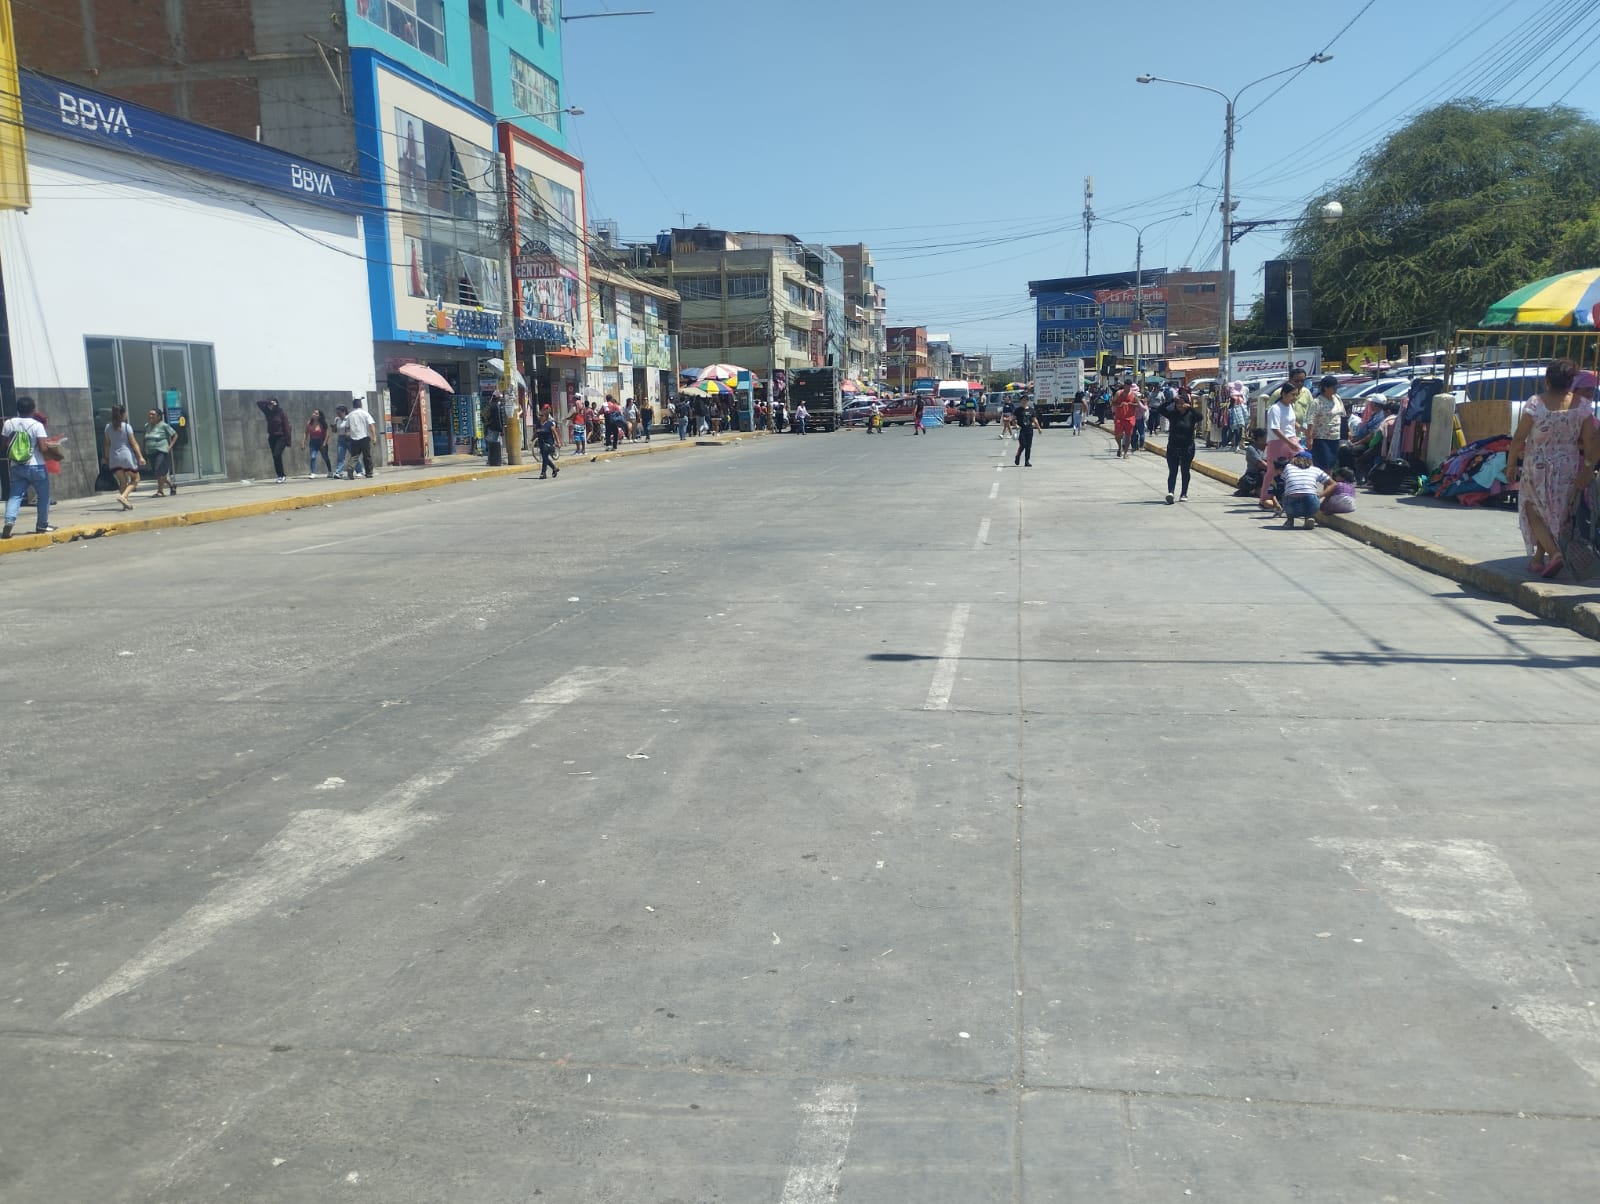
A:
1305,486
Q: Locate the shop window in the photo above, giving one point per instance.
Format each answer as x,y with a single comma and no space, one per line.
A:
534,93
418,23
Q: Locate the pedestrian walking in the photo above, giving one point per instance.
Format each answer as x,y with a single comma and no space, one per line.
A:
800,416
1324,421
341,432
361,426
1238,416
580,432
1124,418
631,416
1283,439
493,414
545,438
647,417
1141,421
122,454
316,444
1027,422
27,443
1079,404
1183,422
1550,462
916,427
158,441
279,436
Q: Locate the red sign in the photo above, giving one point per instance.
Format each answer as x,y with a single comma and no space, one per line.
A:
1153,294
537,267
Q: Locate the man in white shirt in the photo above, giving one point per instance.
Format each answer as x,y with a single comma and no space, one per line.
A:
362,424
26,434
1283,437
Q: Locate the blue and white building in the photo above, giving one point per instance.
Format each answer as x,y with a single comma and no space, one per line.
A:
1079,317
168,265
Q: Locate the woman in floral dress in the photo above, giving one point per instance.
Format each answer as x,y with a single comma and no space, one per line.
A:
1551,458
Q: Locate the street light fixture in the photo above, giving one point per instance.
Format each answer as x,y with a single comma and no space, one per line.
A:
632,12
1227,191
1138,276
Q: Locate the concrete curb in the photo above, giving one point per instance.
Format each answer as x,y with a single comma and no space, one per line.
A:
1552,602
273,505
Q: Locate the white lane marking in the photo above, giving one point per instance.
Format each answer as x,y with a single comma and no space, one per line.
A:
994,491
983,535
820,1147
944,674
1463,896
317,547
316,847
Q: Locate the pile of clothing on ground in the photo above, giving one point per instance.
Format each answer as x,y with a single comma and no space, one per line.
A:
1474,475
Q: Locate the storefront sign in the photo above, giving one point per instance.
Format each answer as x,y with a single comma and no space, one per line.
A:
1245,364
464,323
551,334
537,267
1153,295
52,106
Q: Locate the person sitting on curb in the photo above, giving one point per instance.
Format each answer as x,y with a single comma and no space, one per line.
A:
1255,465
1305,487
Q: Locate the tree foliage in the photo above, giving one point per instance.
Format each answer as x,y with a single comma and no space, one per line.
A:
1464,205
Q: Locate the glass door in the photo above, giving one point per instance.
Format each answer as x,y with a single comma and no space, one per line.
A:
186,388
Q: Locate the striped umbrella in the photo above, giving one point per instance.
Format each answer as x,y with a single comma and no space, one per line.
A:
1565,301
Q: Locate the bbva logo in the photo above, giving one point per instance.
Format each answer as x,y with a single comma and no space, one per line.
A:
89,114
303,178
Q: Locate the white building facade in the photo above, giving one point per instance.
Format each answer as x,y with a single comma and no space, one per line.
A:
166,265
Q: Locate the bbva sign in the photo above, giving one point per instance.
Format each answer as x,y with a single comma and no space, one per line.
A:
89,114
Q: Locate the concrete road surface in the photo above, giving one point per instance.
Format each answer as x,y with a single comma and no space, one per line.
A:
839,817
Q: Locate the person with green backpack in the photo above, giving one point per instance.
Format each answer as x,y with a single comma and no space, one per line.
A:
23,439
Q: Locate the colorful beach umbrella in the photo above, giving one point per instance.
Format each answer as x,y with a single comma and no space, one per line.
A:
720,372
1565,301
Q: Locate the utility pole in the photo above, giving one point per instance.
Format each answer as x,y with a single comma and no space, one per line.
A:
1088,218
1226,287
512,435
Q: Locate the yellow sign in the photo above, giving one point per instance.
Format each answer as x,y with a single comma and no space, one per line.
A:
1364,359
13,146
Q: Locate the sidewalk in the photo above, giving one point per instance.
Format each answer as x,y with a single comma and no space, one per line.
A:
100,515
1479,546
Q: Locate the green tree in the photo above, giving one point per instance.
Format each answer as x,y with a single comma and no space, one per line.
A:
1465,204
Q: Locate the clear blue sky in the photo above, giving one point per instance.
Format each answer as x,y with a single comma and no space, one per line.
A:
953,138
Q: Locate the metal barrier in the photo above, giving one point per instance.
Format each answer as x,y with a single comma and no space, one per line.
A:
1508,365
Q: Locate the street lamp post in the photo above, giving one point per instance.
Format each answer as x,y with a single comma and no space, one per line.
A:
1138,278
1227,194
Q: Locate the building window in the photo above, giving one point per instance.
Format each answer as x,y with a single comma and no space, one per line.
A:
701,336
418,23
798,296
747,285
534,93
799,340
744,334
698,288
1208,288
545,10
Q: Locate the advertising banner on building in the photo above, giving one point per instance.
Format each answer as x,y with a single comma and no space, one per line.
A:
1243,365
552,259
14,193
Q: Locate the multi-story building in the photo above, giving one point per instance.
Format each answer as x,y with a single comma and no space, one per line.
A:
420,99
747,298
907,356
1194,310
636,328
880,327
867,304
1083,317
939,355
968,366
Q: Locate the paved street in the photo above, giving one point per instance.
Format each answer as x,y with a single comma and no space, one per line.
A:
804,819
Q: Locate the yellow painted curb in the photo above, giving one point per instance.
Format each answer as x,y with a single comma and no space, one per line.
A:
128,526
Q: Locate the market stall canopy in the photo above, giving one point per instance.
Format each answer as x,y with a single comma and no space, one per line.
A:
1565,301
426,375
721,372
499,366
